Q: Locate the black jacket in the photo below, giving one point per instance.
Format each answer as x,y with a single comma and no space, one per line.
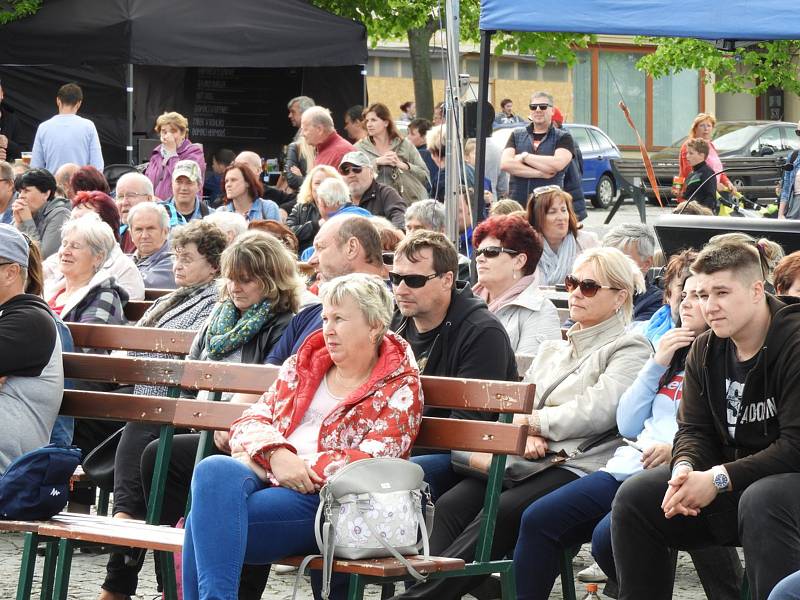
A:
767,440
9,127
384,201
473,344
255,351
648,302
304,222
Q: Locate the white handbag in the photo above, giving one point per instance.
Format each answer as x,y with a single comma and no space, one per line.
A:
372,508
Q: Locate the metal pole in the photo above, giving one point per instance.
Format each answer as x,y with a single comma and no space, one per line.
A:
129,91
481,134
452,147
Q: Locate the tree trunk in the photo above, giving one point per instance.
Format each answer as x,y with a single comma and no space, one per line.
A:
419,41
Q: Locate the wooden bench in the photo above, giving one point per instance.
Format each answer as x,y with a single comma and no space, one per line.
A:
499,438
134,309
154,293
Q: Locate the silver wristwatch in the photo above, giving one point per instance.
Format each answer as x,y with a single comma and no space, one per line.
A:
721,479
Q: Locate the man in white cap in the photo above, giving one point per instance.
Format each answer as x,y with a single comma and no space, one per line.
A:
186,203
31,371
379,199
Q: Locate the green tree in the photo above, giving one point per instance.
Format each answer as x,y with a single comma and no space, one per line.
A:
11,10
753,69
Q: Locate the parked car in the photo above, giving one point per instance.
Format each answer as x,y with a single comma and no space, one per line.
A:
743,139
598,150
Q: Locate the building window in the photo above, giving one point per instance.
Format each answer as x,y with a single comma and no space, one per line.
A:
527,71
582,88
555,72
373,66
405,67
620,66
505,70
676,102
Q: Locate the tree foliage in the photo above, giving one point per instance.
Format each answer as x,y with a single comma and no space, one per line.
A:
752,69
11,10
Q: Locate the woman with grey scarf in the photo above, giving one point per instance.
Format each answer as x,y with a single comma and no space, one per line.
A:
550,213
197,248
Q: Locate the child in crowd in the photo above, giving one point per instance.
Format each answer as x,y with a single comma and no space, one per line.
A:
701,185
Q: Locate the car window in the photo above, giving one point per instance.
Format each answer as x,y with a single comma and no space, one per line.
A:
732,136
791,141
601,140
581,136
767,143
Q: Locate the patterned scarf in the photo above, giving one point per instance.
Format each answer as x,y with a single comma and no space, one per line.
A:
555,266
170,301
229,329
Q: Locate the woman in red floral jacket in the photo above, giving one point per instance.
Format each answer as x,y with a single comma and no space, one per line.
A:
352,391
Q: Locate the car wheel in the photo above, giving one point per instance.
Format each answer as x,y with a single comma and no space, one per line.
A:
604,192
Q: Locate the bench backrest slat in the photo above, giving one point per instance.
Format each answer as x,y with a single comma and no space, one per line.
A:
134,309
140,339
444,392
153,293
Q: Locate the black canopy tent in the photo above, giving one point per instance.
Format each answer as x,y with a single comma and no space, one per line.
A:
229,67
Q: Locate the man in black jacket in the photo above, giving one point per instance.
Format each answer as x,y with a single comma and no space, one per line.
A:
10,147
451,331
378,199
736,457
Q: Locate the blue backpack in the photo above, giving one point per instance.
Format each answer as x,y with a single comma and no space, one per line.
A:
36,485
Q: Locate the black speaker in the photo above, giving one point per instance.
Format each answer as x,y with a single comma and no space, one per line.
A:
471,119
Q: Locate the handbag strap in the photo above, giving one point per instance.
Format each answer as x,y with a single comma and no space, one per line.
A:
546,394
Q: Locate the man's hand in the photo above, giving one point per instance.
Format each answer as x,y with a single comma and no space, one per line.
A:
655,455
693,491
535,447
3,380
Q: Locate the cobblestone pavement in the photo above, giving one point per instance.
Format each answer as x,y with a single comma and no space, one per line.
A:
88,570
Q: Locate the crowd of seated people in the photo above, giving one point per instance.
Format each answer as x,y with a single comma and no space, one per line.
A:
355,292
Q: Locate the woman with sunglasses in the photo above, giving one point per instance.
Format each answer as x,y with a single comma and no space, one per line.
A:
579,382
789,202
581,510
304,218
507,251
397,161
550,213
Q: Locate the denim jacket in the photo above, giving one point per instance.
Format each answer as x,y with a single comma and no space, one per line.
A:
787,181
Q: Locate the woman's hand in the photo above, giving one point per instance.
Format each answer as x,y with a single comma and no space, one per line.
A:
535,447
387,160
222,441
244,458
170,141
20,211
655,455
480,461
293,473
295,170
671,342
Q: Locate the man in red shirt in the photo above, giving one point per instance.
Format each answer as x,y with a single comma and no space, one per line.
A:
317,128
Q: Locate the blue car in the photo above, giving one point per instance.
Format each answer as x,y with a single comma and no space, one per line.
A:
599,185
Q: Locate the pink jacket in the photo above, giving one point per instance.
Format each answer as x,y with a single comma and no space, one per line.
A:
381,418
159,171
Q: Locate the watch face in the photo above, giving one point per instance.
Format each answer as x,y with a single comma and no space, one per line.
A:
721,481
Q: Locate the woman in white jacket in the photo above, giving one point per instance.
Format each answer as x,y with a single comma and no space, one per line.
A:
579,382
507,251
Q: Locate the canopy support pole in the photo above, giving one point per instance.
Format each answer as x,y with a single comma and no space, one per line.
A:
129,94
481,132
452,107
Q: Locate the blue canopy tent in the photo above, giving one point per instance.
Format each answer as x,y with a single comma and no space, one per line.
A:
728,20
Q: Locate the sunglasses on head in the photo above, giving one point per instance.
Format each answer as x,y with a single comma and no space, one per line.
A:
545,189
345,169
412,281
544,106
589,287
494,251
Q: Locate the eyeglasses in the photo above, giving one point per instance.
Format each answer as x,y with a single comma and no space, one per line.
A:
412,281
494,251
545,189
345,170
128,195
589,287
539,106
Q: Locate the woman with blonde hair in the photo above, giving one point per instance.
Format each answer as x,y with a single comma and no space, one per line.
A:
173,129
703,128
396,161
304,219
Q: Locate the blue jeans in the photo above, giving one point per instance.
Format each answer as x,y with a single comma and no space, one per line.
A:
563,518
439,473
237,519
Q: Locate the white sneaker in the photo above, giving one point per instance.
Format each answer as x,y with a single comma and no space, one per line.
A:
283,569
592,574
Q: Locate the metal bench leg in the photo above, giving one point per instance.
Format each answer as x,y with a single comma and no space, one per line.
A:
508,584
102,502
745,592
27,566
567,577
387,590
49,570
168,579
63,566
356,588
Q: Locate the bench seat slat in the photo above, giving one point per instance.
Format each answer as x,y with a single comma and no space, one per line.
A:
383,567
106,530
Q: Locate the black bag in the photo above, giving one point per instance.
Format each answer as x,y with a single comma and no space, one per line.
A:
36,485
99,463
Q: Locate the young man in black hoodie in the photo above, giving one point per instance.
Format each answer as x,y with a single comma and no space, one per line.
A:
701,185
736,457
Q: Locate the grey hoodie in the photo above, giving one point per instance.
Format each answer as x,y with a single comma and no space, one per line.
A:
45,227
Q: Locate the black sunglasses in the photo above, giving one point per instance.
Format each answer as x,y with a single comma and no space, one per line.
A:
539,106
494,251
345,170
412,281
589,287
